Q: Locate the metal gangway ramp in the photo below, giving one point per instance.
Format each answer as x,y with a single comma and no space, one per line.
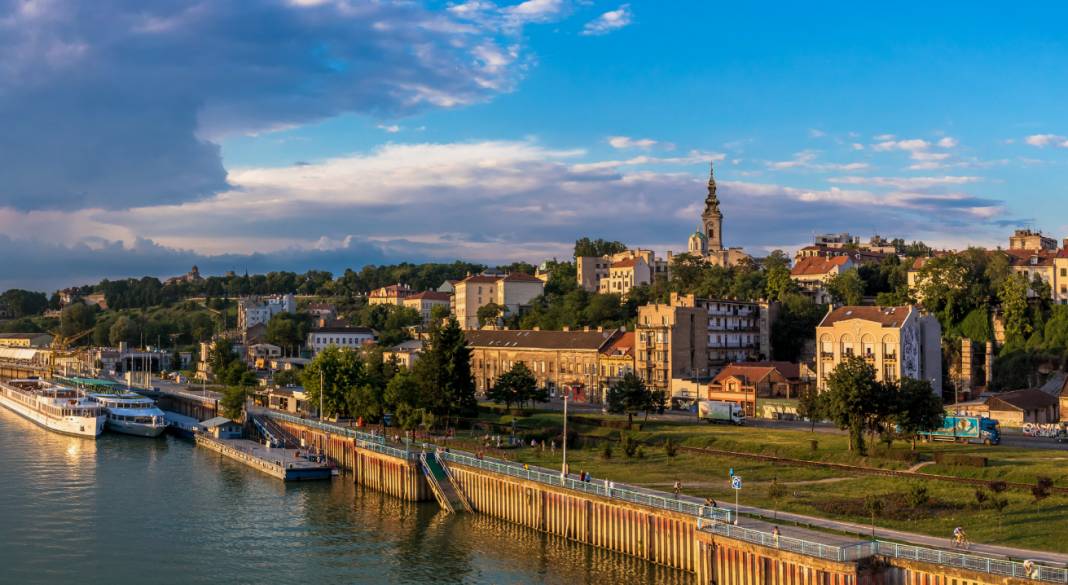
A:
448,494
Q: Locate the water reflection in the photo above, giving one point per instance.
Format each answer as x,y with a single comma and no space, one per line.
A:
134,510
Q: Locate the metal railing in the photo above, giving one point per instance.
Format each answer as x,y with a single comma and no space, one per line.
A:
851,552
376,443
972,562
598,487
711,519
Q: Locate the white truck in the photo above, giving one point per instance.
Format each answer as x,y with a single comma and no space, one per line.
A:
719,411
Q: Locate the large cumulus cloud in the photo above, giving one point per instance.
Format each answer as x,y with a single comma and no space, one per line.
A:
116,103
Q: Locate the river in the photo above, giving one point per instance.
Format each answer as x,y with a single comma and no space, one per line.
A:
128,510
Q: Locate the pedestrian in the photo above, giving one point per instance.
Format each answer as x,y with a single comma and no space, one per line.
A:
589,478
553,447
677,487
533,443
775,535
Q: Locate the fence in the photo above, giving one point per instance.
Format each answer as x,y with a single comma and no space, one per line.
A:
852,552
722,517
971,562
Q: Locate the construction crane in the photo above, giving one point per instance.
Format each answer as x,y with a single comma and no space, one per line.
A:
61,348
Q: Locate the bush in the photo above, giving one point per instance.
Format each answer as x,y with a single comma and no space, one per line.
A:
917,496
628,444
960,459
640,453
981,497
1042,488
606,453
998,486
776,490
670,448
814,444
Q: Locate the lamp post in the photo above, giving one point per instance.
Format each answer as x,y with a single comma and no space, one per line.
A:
563,467
321,389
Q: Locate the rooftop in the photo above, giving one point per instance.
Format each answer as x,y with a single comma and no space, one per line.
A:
430,295
885,316
530,339
816,265
1030,399
620,346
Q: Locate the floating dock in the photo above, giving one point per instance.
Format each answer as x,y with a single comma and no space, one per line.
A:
285,464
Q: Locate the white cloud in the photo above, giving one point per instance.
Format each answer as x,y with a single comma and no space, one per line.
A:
947,142
920,151
626,142
906,182
609,21
806,159
857,146
1044,140
391,128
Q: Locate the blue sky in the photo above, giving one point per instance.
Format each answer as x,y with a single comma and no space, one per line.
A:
145,136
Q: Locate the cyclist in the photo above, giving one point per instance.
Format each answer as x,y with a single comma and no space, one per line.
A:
960,539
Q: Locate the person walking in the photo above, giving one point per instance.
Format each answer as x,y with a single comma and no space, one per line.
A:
775,535
677,488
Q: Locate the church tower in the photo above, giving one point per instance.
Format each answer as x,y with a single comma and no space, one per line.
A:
712,219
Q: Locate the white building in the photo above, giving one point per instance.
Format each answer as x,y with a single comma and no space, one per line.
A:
253,311
350,337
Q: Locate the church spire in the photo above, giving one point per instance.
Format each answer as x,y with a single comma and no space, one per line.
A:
712,202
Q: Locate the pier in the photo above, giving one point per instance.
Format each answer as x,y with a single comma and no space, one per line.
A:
680,533
285,464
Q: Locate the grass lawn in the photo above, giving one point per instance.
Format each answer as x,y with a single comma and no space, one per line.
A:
827,492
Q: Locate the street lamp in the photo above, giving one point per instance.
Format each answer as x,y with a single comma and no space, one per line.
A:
563,467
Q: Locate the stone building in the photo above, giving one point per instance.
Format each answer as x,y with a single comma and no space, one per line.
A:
897,341
393,294
618,273
557,359
512,292
671,342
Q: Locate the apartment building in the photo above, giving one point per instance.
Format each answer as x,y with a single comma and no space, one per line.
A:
897,341
343,337
557,359
393,294
811,273
252,311
511,292
618,273
671,342
425,302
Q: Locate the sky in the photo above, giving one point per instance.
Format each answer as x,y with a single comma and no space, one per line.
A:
142,137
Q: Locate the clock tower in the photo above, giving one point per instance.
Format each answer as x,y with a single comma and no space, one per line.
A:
712,219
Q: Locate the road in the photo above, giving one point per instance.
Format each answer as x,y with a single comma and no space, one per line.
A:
1008,438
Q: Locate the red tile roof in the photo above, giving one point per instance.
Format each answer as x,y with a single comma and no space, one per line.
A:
1021,400
628,263
753,372
621,346
885,316
430,295
529,339
520,277
814,265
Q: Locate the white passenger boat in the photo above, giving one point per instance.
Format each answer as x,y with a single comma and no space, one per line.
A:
131,413
58,408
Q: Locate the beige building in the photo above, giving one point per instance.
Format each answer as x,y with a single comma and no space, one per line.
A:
616,360
707,241
25,340
811,273
618,273
512,292
425,302
671,342
557,359
1031,240
897,341
405,353
393,294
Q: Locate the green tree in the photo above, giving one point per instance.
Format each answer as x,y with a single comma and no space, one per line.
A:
341,371
779,283
598,247
629,395
488,314
846,287
445,369
1014,308
287,378
853,395
23,303
76,318
811,404
405,397
917,407
795,326
288,330
123,330
516,386
233,401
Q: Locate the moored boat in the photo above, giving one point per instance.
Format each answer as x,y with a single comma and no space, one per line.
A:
57,408
131,414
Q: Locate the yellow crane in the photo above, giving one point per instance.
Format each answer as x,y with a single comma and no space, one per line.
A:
61,348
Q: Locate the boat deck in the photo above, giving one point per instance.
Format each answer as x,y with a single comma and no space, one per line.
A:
285,464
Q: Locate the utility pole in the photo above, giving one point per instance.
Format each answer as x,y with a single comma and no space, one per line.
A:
563,467
321,393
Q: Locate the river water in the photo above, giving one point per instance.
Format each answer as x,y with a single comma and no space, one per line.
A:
132,510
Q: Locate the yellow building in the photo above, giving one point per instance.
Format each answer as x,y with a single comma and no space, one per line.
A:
425,302
25,340
618,273
511,292
671,342
557,359
811,273
897,341
616,360
393,294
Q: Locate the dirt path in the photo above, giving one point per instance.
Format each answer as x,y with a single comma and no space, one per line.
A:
919,466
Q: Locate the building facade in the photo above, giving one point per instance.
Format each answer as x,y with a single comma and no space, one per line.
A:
615,361
557,359
811,273
252,311
393,294
738,331
344,337
512,292
898,342
746,383
425,302
25,339
618,273
671,342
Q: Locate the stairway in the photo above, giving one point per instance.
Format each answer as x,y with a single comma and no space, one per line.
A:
273,433
441,483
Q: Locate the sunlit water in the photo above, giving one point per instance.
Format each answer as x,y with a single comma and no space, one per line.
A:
132,510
